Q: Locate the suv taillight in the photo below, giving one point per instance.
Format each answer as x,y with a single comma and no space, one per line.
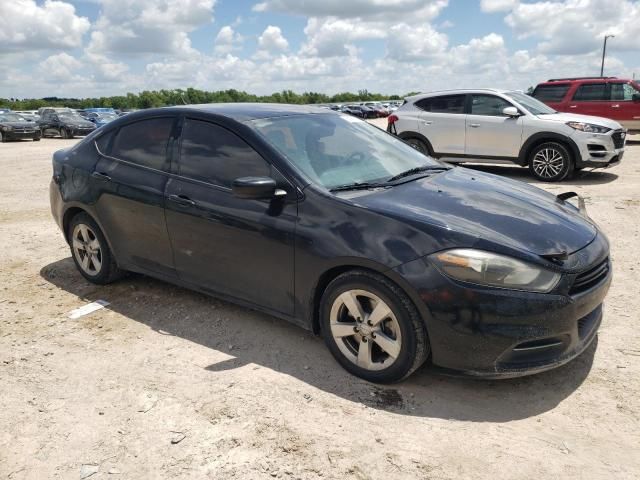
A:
392,119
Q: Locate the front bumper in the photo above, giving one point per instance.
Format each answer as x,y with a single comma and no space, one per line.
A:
81,131
496,333
600,150
21,134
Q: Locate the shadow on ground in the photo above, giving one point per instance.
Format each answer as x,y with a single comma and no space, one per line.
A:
584,177
272,343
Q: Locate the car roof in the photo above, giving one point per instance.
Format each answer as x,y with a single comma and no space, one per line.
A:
250,111
458,91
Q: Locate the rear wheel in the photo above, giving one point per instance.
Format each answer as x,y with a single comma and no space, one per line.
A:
90,251
551,162
418,145
372,328
2,138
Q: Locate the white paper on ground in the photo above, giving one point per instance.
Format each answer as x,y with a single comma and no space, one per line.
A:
88,308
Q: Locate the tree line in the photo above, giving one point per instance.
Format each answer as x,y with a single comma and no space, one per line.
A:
162,98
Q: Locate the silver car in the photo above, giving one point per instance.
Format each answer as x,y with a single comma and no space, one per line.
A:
497,126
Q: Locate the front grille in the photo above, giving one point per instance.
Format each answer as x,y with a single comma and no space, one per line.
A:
590,278
618,138
23,130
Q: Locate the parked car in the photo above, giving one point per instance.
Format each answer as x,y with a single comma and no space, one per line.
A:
29,115
489,125
341,228
360,111
65,123
379,110
100,118
14,127
609,97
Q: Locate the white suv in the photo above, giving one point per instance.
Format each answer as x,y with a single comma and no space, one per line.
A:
489,125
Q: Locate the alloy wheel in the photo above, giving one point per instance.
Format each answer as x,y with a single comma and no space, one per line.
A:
548,163
87,249
365,330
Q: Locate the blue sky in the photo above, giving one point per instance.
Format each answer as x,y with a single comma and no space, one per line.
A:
106,47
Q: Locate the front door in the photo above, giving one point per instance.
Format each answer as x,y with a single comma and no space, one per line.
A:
237,247
490,133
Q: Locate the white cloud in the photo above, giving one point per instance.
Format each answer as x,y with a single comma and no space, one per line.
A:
154,26
272,40
26,25
408,43
227,40
61,67
491,6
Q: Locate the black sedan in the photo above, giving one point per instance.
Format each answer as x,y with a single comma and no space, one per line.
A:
341,228
15,127
66,124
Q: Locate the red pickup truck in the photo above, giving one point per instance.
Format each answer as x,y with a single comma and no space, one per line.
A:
609,97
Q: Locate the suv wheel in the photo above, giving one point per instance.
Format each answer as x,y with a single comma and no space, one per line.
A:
371,327
551,162
418,145
2,139
90,251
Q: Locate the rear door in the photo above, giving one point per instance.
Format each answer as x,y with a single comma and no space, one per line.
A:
237,247
442,122
490,133
130,181
591,99
623,109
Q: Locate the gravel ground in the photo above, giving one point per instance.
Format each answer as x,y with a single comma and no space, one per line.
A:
167,383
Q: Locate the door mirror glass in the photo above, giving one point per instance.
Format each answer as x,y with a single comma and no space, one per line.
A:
256,188
511,112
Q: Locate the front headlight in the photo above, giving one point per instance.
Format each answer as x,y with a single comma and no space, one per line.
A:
588,127
492,269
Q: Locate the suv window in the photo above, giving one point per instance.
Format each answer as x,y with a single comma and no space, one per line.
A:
213,154
444,104
489,105
622,91
591,92
144,142
551,93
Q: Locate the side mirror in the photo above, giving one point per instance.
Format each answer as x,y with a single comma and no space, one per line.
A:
256,188
636,97
511,112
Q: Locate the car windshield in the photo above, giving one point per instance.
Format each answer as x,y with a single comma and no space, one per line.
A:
534,106
70,116
11,117
335,150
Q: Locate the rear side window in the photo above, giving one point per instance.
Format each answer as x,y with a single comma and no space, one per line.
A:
591,92
550,93
488,105
144,142
213,154
445,104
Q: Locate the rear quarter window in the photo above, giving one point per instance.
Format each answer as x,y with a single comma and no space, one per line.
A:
550,93
444,104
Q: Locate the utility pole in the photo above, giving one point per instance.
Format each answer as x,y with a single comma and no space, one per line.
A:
604,52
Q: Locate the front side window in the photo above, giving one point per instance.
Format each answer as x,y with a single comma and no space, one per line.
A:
591,92
213,154
488,105
334,149
144,142
622,92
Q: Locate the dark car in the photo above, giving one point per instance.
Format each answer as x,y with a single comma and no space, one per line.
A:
341,228
15,127
65,123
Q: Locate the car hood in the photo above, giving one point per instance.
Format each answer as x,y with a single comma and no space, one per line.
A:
19,124
488,207
572,117
80,123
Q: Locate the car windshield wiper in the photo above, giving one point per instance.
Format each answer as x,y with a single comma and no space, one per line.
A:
413,171
357,186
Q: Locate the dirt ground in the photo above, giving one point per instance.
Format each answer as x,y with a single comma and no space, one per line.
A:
167,383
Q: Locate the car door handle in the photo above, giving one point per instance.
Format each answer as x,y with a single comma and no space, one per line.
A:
572,106
474,125
182,200
615,106
101,176
427,122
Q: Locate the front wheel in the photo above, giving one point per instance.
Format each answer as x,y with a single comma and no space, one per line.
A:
372,328
418,145
2,139
551,162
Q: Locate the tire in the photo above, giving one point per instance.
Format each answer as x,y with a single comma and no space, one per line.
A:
418,145
400,329
99,266
2,138
37,139
551,162
63,133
